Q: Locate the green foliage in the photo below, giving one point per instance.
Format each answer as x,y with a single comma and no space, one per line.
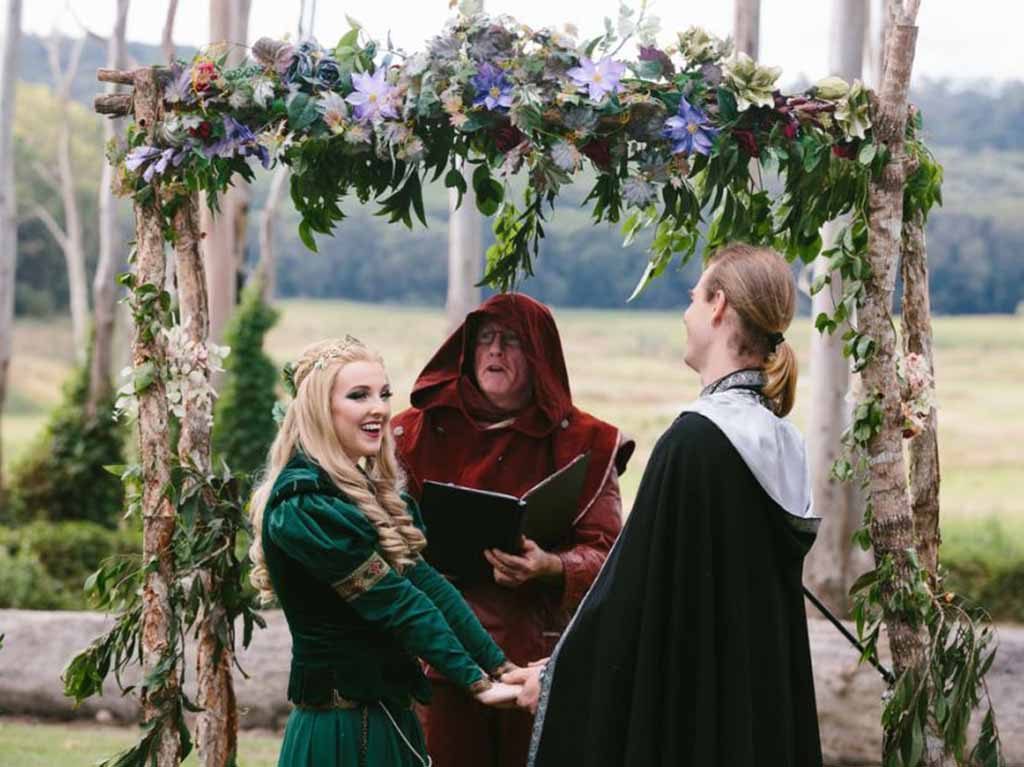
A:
209,514
243,420
62,476
25,584
44,565
984,561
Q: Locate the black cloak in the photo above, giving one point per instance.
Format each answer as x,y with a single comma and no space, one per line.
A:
691,647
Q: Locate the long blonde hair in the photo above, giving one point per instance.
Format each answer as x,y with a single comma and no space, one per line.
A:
308,427
758,285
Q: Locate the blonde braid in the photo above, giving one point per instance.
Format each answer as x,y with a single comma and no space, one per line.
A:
308,426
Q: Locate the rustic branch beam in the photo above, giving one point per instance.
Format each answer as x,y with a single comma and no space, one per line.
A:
119,76
113,104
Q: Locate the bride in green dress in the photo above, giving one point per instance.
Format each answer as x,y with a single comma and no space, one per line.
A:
337,544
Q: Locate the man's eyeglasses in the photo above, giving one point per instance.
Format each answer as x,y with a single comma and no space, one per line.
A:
509,340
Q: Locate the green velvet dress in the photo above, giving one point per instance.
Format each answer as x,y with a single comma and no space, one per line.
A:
358,628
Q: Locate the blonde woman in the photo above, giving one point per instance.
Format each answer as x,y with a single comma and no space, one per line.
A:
338,544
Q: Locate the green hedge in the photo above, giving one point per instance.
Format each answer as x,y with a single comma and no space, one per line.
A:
61,477
984,560
44,565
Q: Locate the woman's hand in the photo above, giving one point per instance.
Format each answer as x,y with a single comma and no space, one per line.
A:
499,695
529,680
511,570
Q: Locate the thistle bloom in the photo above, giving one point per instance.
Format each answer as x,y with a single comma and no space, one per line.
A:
372,96
493,89
599,78
689,130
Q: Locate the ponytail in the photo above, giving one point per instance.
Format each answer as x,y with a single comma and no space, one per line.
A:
780,372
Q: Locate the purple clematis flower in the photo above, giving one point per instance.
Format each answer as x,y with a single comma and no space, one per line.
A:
493,89
600,78
139,156
689,130
372,96
155,159
238,139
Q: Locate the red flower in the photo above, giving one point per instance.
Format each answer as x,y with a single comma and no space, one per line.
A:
790,129
508,137
846,150
203,72
202,130
747,141
599,151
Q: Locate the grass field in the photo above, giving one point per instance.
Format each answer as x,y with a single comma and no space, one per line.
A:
38,744
626,368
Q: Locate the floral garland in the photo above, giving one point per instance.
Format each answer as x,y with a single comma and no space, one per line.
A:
669,134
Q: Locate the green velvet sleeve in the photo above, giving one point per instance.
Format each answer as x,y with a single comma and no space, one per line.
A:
337,545
449,601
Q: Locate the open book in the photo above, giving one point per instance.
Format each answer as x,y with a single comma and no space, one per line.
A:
463,521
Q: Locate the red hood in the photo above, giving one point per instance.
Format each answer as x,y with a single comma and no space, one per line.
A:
448,380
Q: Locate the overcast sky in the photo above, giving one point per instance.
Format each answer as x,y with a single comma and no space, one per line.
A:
981,44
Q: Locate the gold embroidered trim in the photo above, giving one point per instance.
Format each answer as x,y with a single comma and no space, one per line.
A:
363,578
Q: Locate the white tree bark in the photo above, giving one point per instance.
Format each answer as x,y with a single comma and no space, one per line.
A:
465,252
834,563
224,245
72,241
167,36
8,208
266,269
747,27
104,292
465,256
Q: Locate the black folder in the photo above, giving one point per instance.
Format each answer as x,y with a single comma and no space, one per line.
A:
463,521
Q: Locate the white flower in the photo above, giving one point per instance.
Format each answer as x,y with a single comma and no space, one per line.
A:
262,91
240,98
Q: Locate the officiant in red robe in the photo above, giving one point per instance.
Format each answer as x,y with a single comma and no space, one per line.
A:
493,410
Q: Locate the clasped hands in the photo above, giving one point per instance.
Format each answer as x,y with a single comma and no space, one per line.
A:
518,687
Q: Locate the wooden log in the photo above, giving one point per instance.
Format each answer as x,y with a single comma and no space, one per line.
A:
113,104
119,76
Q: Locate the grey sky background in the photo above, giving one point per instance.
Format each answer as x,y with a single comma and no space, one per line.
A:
960,41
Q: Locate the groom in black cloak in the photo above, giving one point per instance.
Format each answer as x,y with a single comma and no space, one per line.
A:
691,647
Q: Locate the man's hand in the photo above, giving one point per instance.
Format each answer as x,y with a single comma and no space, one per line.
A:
514,570
529,679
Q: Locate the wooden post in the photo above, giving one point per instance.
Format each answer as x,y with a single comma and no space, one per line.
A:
158,514
924,448
217,723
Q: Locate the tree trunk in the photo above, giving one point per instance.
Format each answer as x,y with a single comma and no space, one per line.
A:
465,254
104,293
747,27
167,37
224,244
834,563
8,208
924,448
266,270
72,243
158,514
465,251
217,723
